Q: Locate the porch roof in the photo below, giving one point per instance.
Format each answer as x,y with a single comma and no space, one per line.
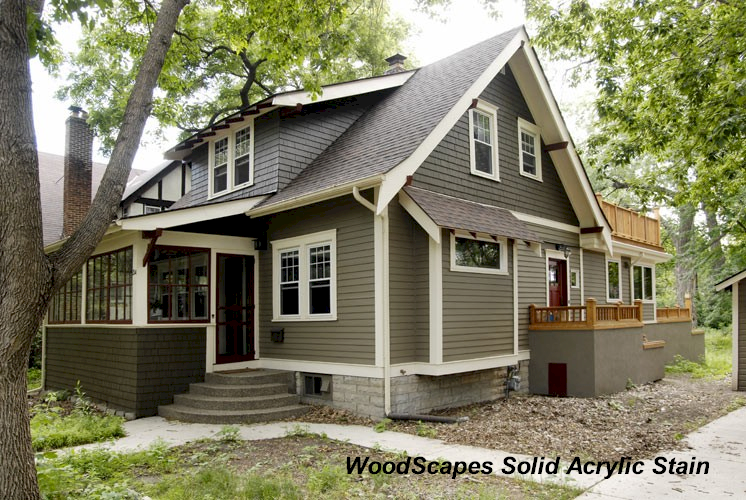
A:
454,213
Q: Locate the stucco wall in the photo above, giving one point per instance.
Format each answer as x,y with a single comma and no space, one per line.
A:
679,340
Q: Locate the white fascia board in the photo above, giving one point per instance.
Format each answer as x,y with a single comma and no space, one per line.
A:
53,247
396,177
419,215
644,255
346,89
179,217
730,281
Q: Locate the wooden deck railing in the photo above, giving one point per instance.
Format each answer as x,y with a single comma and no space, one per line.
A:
675,314
631,225
589,316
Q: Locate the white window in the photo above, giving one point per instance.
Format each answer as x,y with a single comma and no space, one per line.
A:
483,141
613,280
478,255
305,277
643,279
150,209
574,278
529,139
231,161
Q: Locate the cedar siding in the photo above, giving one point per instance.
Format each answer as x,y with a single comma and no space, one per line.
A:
741,329
594,276
447,169
477,310
408,288
350,338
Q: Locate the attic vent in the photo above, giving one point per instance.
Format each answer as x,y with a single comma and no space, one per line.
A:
396,64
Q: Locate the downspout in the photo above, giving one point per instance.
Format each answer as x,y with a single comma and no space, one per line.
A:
386,333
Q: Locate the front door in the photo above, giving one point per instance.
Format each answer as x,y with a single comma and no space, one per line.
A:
235,309
557,282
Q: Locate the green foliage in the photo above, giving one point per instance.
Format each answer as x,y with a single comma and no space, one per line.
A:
34,360
229,434
34,378
717,362
50,430
325,481
382,425
424,430
227,54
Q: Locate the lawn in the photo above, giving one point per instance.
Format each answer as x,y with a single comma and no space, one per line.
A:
34,378
297,466
718,359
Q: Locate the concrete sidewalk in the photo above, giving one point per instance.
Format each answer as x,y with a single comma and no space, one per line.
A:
722,443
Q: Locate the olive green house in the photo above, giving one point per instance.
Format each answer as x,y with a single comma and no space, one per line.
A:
396,244
737,285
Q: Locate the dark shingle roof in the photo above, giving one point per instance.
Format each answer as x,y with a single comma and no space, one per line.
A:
455,213
392,129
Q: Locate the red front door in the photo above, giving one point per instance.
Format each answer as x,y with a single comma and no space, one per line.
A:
557,282
235,312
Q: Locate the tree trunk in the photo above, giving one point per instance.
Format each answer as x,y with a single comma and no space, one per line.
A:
685,268
27,276
715,238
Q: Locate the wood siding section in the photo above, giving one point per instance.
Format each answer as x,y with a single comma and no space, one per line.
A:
648,311
741,329
133,369
477,311
447,169
408,288
594,276
351,338
532,275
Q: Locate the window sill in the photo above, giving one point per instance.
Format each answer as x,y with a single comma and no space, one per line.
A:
296,319
478,270
213,196
492,177
532,177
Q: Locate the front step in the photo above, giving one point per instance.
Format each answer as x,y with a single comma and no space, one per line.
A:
232,398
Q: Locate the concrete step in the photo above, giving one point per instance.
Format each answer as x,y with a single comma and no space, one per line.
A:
253,377
237,391
201,416
229,403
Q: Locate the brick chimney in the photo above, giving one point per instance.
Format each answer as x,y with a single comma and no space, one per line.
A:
78,170
396,64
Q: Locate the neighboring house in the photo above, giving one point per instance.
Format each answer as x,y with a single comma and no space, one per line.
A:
400,243
737,285
155,190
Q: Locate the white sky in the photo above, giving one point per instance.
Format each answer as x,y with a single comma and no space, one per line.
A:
464,24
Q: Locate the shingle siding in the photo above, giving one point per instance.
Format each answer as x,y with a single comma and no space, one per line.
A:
447,169
741,329
349,339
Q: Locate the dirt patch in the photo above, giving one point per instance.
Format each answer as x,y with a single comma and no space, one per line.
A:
636,423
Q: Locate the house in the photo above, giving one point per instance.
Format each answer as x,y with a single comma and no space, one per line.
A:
737,285
396,244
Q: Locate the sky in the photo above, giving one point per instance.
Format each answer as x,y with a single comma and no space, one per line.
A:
462,25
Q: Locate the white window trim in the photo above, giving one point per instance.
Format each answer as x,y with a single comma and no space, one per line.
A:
621,289
231,166
632,282
491,110
575,271
531,129
303,243
503,242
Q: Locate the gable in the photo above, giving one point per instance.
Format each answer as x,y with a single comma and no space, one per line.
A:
447,169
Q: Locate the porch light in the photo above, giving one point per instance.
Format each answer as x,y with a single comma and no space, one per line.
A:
565,249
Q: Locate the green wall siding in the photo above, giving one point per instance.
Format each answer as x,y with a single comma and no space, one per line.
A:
741,335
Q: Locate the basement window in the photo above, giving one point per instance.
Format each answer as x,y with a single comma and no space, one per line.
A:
318,386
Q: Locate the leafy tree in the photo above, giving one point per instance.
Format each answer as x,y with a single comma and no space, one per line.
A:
228,54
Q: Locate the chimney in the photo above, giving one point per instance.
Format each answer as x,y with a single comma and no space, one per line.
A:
78,170
396,64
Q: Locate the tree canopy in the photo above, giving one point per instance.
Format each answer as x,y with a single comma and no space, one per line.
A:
229,53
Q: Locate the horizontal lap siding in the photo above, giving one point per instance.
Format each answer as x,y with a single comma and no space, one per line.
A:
104,360
594,276
408,291
648,312
626,280
741,329
477,311
351,338
447,169
532,274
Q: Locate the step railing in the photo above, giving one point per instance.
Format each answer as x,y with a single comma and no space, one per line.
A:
675,314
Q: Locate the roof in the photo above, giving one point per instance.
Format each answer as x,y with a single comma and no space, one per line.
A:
730,281
143,180
455,213
51,183
394,127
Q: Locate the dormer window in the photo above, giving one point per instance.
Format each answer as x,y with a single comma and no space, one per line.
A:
231,159
483,141
529,140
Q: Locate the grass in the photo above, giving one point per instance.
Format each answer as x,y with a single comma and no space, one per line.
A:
34,378
717,362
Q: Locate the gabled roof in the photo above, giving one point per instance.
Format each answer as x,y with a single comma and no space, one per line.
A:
145,179
730,281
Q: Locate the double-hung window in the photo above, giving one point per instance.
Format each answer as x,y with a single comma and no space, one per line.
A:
529,140
231,159
642,283
305,277
613,280
478,254
483,141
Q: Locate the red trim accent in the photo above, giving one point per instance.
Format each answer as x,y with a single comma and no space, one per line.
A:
591,230
251,311
556,146
474,103
235,119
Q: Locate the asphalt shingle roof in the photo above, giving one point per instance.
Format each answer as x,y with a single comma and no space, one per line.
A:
392,129
455,213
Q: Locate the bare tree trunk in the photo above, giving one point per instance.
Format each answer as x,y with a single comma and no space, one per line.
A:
27,276
685,268
715,236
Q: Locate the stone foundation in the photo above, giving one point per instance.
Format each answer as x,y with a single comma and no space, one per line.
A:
412,394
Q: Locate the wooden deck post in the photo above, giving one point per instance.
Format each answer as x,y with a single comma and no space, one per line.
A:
531,314
590,313
638,305
688,304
